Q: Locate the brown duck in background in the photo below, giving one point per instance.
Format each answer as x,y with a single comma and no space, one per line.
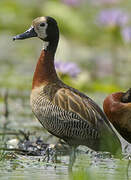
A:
117,107
62,110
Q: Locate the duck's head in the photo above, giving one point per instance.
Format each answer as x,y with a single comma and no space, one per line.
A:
44,28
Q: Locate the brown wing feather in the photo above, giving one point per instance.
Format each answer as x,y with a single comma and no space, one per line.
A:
70,101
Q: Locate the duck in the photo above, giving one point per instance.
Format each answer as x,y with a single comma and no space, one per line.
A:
64,111
117,107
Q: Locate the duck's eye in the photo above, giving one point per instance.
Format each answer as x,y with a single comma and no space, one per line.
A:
42,24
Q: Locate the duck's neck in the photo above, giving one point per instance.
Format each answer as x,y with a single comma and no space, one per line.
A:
51,46
45,70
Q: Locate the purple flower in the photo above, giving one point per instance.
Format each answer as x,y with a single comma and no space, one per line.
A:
113,17
126,34
68,68
72,2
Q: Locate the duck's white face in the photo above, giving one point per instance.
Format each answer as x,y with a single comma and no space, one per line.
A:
40,26
43,27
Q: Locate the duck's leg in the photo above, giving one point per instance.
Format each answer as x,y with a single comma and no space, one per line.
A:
72,157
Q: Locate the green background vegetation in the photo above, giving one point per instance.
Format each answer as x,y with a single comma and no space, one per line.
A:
93,47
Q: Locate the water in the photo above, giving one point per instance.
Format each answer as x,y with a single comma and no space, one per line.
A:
30,168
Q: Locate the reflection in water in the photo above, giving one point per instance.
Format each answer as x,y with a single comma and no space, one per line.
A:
85,167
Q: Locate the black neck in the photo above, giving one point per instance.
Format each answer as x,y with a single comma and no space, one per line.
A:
52,46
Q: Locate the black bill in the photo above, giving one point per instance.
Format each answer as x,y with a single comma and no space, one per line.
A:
28,34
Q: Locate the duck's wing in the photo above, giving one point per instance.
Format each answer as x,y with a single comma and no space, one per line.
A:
98,110
83,107
87,115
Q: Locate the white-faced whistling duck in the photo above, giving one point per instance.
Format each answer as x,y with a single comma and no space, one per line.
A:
62,110
117,107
